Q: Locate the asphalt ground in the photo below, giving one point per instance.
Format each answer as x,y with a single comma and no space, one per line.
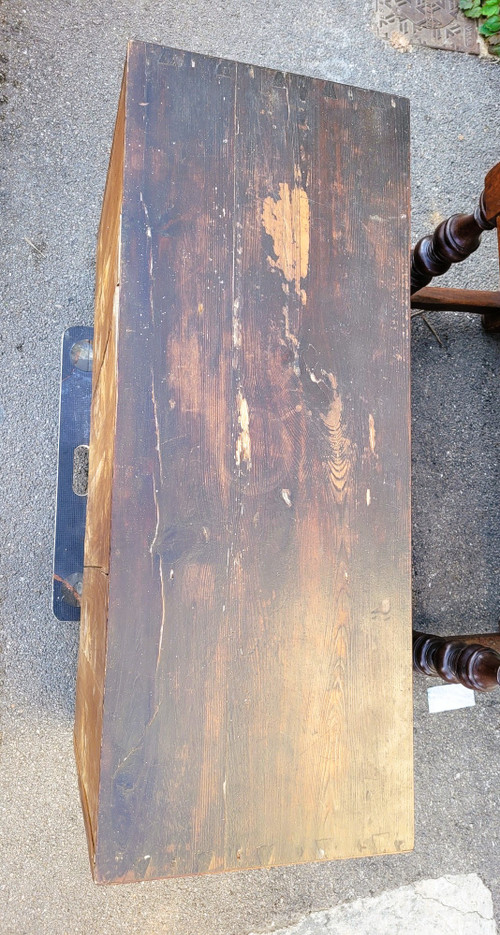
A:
61,65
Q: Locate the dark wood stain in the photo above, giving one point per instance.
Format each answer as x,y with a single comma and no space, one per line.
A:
443,299
470,661
257,678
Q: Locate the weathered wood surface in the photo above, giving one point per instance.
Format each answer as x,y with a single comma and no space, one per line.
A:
257,705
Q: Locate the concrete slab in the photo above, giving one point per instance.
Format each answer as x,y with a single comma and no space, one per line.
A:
451,905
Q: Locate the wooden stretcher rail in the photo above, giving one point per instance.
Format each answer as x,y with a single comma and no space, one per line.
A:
440,299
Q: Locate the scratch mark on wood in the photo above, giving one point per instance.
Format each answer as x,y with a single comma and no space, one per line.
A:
163,614
146,215
236,325
243,445
160,462
372,433
139,743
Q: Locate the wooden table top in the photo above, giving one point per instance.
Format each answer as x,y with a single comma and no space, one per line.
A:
249,651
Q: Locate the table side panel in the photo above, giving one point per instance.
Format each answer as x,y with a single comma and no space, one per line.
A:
92,648
103,410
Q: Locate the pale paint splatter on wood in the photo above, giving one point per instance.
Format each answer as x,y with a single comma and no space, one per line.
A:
372,433
287,222
243,446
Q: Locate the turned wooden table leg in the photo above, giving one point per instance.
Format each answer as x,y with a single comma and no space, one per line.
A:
491,322
454,660
456,239
452,241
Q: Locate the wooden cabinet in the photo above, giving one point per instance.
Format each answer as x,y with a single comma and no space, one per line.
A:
244,678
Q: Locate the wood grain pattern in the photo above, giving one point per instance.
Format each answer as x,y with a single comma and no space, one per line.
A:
442,299
103,410
485,639
492,193
93,627
257,706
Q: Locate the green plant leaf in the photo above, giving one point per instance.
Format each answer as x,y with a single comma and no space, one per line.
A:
474,12
490,8
490,26
467,4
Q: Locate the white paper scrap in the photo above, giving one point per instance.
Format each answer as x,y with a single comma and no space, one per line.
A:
449,698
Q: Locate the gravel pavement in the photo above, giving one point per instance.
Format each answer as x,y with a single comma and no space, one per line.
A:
61,66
